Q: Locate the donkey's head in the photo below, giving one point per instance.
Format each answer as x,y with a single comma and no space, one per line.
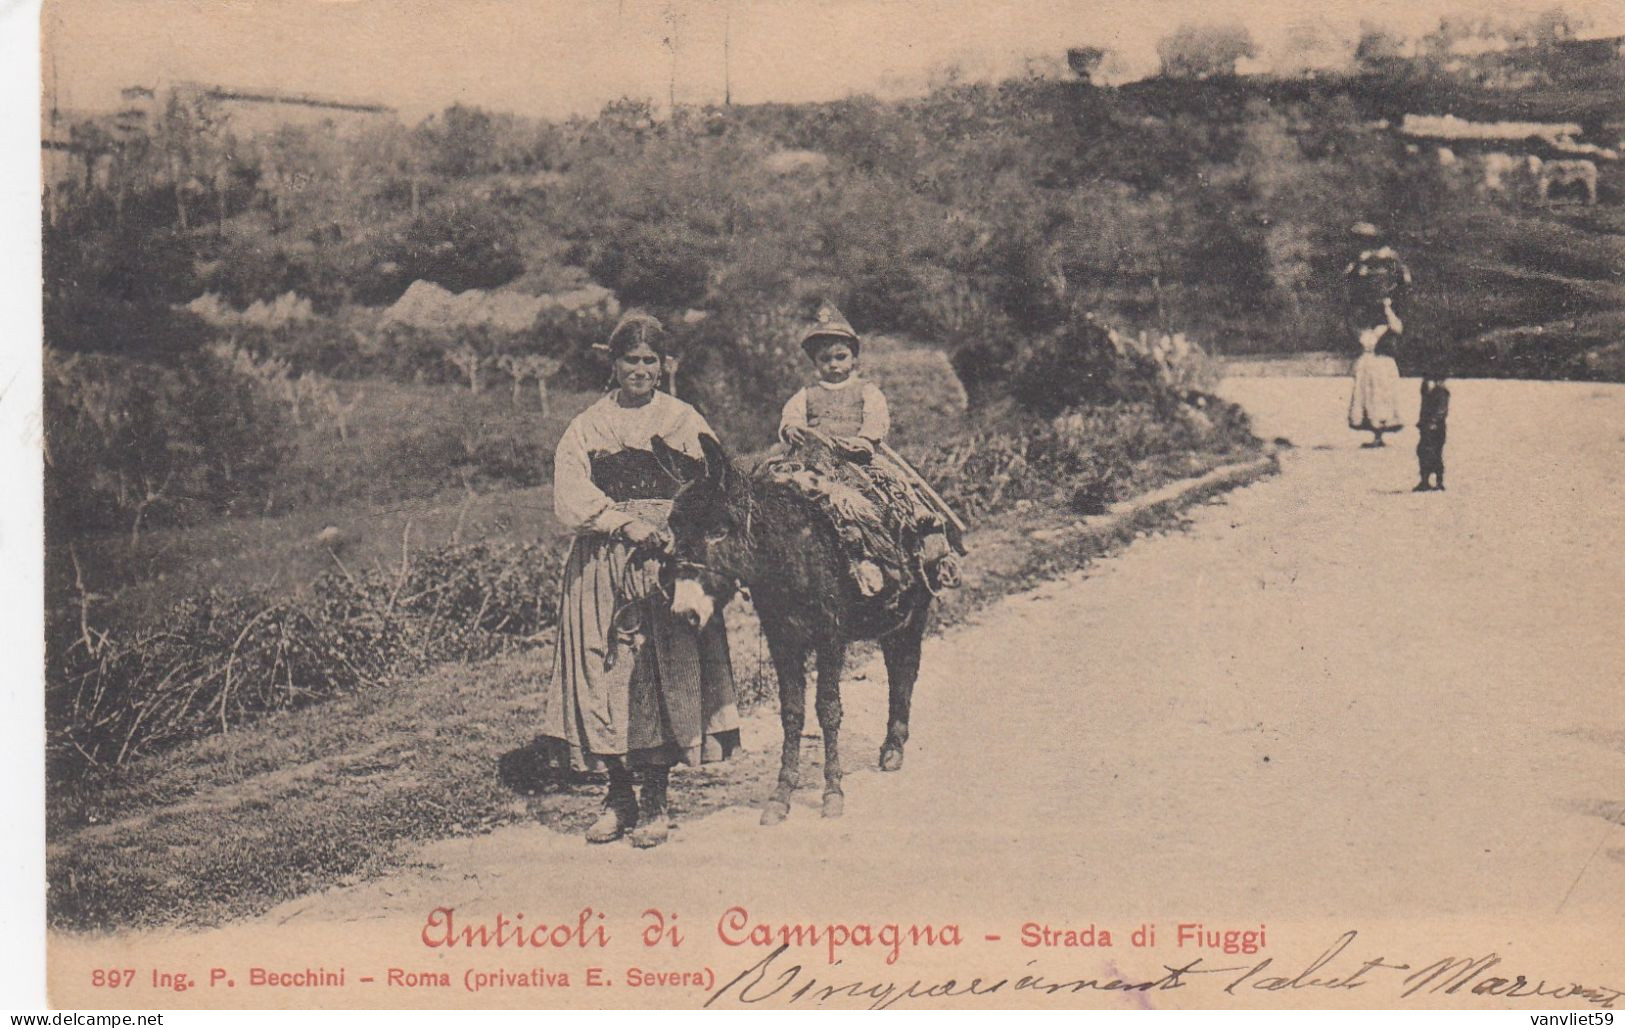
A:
708,526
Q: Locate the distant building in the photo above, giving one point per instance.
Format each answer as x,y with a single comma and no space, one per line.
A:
79,149
254,111
1536,162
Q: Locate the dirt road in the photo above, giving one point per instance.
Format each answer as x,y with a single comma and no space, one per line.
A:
1330,701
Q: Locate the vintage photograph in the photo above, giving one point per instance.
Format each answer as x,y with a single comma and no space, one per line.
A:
833,504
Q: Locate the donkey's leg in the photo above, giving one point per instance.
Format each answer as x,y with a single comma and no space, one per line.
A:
902,652
831,660
790,663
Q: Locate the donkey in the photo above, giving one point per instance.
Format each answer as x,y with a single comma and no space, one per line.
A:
732,529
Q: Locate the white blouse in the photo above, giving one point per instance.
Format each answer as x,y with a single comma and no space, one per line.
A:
607,427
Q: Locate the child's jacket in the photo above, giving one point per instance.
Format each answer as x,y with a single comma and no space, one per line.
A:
1435,409
854,408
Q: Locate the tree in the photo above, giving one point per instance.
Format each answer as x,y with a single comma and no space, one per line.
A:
1545,28
459,140
189,132
1377,45
1084,60
1202,51
90,143
673,43
460,244
340,410
469,361
523,367
1309,44
1454,29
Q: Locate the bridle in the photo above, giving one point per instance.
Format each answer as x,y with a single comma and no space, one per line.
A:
720,586
704,573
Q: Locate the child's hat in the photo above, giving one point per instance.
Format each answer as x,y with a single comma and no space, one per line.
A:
1365,229
830,324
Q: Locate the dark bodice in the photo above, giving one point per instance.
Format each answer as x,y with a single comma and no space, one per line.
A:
1373,278
636,475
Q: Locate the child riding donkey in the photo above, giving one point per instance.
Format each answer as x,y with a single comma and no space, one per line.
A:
836,433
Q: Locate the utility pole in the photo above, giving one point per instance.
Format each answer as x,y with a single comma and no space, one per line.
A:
727,53
673,21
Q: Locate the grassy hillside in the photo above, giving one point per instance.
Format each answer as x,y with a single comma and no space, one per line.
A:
223,468
1219,207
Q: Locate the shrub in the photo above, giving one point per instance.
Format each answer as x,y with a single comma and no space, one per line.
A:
982,352
322,345
406,353
88,322
651,265
130,442
1082,460
738,366
457,243
125,265
570,336
215,661
1075,365
1198,51
247,273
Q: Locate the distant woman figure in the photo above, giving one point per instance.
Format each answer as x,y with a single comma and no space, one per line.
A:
1374,403
633,687
1376,273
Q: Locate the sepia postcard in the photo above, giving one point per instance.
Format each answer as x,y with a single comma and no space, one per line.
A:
837,504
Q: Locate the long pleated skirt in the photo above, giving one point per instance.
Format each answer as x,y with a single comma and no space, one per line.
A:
1374,402
630,679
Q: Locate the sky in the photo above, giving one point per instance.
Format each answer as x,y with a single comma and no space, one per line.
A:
550,58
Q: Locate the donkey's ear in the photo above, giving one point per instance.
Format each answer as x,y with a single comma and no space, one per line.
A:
665,456
716,461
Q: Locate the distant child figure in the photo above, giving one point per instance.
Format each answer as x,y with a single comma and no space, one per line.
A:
1431,424
853,416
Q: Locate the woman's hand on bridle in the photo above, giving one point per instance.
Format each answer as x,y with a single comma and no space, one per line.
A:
643,535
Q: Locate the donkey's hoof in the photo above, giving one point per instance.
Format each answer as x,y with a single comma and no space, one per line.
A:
774,813
834,804
891,758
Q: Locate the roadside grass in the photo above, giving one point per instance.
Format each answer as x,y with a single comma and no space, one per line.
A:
400,466
1590,347
229,826
395,481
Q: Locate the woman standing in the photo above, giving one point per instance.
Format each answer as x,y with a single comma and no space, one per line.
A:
1374,403
633,687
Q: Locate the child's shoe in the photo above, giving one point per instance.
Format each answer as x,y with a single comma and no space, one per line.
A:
938,560
871,581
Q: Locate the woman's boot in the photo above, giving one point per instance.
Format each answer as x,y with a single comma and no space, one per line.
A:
654,820
620,808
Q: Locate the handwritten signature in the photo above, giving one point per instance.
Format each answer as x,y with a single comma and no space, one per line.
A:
776,980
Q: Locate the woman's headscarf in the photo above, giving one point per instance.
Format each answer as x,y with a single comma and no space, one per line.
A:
636,327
